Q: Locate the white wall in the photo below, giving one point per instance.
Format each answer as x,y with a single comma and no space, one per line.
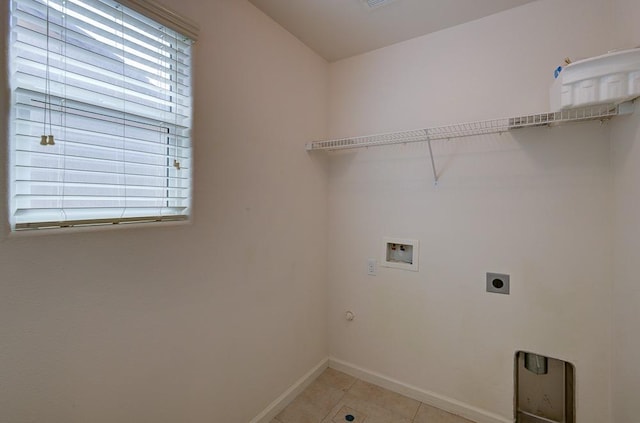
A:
625,138
624,24
199,323
534,203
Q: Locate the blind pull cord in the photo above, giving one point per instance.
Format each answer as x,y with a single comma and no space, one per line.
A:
174,92
47,139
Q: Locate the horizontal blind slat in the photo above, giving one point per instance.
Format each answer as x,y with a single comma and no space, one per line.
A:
50,161
77,19
64,147
107,98
76,45
162,100
176,217
97,211
50,185
61,175
34,44
30,102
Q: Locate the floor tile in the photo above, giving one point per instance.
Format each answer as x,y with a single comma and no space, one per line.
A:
348,414
336,379
429,414
396,403
374,413
312,405
335,395
300,411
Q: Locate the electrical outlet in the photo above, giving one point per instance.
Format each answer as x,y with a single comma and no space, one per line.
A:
371,267
498,283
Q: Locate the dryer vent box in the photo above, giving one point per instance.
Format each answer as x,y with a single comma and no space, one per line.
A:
401,254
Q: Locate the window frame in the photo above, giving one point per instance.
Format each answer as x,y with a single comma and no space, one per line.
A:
151,10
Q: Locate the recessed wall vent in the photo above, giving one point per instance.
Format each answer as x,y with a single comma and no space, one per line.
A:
377,3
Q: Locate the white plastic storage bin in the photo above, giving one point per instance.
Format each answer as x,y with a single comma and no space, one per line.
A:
608,79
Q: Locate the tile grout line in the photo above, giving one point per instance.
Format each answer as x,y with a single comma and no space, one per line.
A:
355,380
416,413
344,393
334,406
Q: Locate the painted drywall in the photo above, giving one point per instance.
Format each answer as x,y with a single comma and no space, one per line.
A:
533,203
208,322
624,24
625,141
625,138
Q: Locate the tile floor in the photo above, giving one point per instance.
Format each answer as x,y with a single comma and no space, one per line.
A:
335,397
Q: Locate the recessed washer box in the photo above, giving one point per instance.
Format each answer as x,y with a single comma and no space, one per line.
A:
401,253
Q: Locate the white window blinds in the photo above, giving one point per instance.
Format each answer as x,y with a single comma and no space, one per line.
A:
101,115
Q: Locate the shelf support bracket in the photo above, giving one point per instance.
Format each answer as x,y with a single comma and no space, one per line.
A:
433,162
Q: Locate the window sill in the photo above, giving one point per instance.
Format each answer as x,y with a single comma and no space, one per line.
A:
9,235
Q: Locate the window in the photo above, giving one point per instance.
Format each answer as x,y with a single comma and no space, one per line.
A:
101,114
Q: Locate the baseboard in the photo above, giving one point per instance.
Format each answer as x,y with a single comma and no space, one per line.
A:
287,396
444,403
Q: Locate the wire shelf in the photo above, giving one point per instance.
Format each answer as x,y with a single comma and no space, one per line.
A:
602,112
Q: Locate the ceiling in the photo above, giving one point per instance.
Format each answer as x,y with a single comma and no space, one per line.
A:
337,29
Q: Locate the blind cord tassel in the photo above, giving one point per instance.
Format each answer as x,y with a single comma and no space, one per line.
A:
47,140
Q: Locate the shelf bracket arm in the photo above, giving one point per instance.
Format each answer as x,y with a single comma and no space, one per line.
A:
433,162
